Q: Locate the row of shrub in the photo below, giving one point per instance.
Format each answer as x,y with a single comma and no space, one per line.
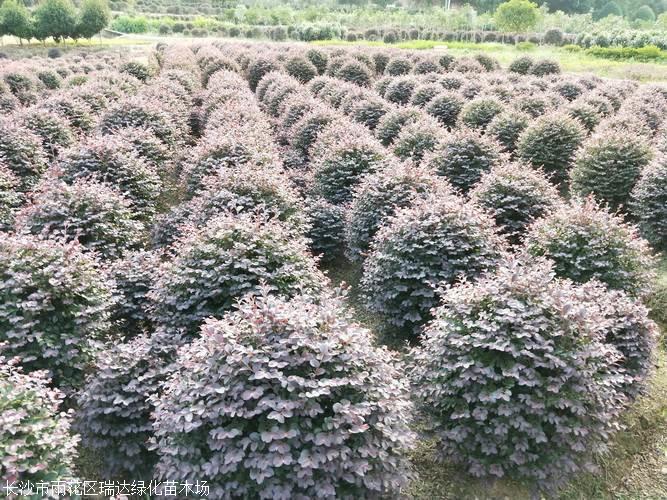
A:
205,190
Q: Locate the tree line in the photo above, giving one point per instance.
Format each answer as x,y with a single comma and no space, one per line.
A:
57,19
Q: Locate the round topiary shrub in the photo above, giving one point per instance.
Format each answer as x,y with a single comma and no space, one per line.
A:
367,111
231,256
438,240
257,69
427,67
109,160
649,202
478,113
10,198
325,229
587,115
506,128
521,65
417,139
550,143
487,62
141,112
79,115
446,107
553,36
391,124
301,69
515,195
608,166
342,154
493,369
399,90
390,37
355,404
587,242
137,69
21,151
116,403
54,304
36,444
424,93
53,130
463,156
305,131
398,66
378,196
545,67
50,79
355,72
94,214
319,59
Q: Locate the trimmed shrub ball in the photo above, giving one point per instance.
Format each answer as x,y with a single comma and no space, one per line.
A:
438,240
418,139
398,66
587,242
305,131
229,257
319,59
649,202
342,154
10,198
446,107
257,69
21,151
325,229
550,143
137,69
378,196
54,303
133,277
36,444
587,115
116,403
545,67
628,328
53,130
424,93
355,72
108,160
478,113
391,124
463,156
515,195
305,402
516,378
94,214
400,90
301,69
506,128
521,65
608,166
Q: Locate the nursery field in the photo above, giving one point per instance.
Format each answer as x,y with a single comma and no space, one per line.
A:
272,270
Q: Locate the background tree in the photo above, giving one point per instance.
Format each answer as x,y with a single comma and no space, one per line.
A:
55,18
93,18
517,16
15,20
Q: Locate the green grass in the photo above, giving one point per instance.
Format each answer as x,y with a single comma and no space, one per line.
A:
574,62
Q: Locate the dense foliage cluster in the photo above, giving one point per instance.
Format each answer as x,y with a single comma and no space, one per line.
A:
550,383
649,202
248,412
36,444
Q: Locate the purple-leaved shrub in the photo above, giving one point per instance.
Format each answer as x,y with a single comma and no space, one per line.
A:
516,377
286,399
36,444
649,202
438,240
54,305
231,256
588,242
